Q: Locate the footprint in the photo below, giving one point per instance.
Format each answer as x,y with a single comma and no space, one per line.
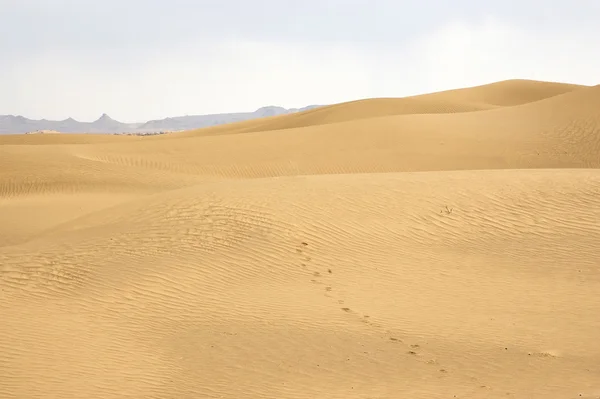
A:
328,289
304,259
346,310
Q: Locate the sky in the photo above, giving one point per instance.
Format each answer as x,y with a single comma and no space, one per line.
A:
140,60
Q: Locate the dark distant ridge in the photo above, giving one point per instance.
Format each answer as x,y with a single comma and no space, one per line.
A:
11,124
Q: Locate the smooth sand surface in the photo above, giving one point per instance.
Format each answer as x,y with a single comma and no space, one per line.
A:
438,246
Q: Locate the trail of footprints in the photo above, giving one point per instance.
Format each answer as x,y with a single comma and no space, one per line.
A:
325,278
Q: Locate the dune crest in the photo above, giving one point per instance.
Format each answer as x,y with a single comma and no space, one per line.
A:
442,245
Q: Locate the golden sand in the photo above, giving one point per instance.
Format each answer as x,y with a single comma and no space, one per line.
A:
438,246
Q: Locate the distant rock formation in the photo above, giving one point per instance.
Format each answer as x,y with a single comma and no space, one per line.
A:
198,121
11,124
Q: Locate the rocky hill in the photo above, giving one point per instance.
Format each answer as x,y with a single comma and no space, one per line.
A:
11,124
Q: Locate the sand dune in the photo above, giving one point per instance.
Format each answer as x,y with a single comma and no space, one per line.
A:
436,246
506,93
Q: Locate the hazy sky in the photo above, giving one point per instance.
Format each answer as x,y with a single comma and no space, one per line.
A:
148,59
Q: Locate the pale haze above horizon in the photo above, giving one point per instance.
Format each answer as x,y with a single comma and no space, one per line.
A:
141,60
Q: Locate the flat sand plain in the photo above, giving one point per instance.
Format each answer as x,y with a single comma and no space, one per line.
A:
438,246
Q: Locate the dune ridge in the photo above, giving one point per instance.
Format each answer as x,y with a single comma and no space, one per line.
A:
442,245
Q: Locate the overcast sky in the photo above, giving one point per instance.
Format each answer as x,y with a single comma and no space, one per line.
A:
148,59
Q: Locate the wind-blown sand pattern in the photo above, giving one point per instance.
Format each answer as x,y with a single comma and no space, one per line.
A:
438,246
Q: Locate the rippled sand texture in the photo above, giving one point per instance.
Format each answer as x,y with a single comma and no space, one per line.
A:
438,246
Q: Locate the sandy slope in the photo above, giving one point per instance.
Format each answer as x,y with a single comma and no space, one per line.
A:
275,259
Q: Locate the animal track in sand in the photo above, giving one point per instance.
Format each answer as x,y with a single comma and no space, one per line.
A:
306,264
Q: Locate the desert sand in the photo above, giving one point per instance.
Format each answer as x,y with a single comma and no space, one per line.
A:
437,246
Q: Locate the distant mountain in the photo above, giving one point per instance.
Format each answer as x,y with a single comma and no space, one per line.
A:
198,121
10,124
18,124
